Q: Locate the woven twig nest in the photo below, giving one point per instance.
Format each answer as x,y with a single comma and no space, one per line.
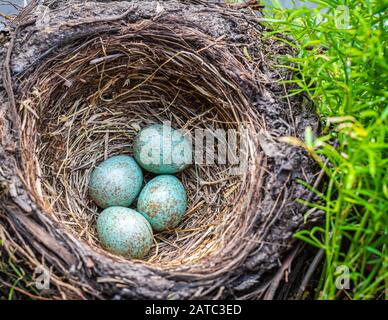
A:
81,78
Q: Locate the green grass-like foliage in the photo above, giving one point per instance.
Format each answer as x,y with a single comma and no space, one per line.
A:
342,66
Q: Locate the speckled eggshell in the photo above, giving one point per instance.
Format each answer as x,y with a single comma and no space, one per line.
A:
163,202
124,232
161,149
116,182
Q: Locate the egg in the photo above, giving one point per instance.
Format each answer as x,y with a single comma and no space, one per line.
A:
116,182
125,232
163,202
161,149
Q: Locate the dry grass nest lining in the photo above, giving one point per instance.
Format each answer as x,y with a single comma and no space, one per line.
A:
88,101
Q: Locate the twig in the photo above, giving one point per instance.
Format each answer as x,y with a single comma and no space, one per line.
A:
109,19
269,295
5,16
106,58
309,273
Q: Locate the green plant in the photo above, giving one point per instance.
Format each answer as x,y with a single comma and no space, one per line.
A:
341,64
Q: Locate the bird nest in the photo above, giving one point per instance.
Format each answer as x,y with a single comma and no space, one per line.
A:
82,78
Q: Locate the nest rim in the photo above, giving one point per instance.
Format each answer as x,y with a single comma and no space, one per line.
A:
48,100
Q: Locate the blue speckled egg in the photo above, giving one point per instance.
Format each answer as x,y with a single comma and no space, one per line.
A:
125,232
116,182
163,202
161,149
